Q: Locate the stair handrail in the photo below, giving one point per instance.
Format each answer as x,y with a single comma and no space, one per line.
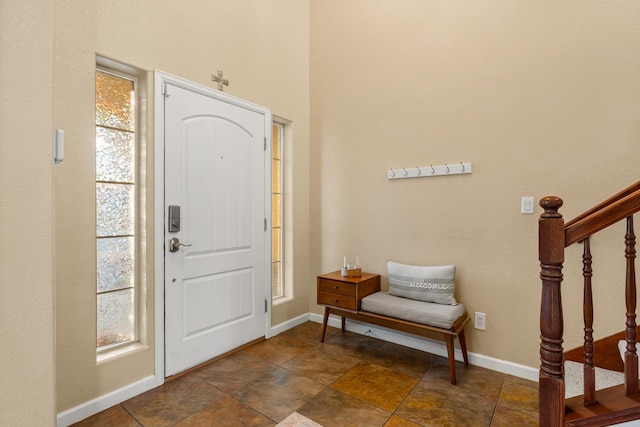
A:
609,212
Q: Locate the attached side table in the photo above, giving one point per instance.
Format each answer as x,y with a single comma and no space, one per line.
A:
342,295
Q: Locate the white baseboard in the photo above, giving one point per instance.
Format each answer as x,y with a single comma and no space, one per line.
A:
430,346
285,326
101,403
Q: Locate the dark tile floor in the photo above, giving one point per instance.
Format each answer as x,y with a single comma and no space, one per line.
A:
350,380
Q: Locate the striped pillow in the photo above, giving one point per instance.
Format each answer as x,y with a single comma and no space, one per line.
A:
431,284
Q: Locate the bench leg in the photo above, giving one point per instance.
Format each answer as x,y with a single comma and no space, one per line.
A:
324,323
343,322
463,347
452,358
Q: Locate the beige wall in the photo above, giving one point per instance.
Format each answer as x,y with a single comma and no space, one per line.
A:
27,376
541,97
262,47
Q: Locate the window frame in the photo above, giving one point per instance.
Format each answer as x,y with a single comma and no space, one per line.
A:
127,73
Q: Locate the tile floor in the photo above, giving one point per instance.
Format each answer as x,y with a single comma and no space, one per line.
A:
349,380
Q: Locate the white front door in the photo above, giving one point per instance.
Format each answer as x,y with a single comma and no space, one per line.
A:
215,171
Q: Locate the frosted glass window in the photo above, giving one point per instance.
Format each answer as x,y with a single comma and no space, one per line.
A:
277,288
116,213
275,175
115,207
276,135
275,209
116,267
115,155
116,312
276,280
275,240
115,105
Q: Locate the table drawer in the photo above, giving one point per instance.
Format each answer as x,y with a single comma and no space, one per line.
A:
337,300
337,287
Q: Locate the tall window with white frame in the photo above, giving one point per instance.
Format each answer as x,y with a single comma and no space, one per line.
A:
277,286
116,209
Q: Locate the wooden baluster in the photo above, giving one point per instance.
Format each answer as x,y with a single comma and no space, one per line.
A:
587,310
630,356
551,239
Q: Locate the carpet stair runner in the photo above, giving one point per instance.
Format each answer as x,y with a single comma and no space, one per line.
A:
608,359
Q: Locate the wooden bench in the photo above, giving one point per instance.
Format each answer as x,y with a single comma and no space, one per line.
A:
343,296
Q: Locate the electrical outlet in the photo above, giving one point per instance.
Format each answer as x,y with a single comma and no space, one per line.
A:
480,321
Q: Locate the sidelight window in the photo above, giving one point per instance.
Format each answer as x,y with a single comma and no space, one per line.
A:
116,209
277,287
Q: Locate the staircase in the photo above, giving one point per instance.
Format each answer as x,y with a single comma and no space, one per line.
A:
613,405
607,356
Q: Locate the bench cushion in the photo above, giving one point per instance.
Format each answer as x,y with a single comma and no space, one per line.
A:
427,313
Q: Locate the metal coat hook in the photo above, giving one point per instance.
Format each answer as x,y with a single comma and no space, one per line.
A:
432,170
393,174
462,166
419,171
405,172
447,166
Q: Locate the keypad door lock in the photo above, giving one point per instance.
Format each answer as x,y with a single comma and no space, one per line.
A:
174,219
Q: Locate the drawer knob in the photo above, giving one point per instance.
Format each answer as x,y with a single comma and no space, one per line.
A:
335,287
335,300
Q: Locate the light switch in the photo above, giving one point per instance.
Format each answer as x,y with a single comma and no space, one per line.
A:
526,205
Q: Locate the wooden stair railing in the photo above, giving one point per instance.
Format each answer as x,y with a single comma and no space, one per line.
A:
554,236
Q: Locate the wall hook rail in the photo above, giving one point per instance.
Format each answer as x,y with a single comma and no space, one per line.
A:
445,169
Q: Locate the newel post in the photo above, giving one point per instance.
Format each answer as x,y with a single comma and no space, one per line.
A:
551,239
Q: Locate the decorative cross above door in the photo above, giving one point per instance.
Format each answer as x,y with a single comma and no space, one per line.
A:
221,81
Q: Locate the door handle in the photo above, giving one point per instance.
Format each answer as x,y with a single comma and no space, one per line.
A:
174,244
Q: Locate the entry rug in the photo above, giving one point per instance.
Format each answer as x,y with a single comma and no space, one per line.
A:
297,420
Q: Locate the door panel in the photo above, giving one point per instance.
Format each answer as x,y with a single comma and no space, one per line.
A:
218,168
231,294
215,285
